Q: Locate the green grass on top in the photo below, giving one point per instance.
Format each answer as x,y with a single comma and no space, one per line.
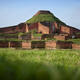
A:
77,41
37,35
9,40
44,18
8,34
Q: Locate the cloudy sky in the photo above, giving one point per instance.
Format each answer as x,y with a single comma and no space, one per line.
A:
13,12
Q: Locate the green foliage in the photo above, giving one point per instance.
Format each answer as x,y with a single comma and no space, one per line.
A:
33,31
77,41
4,34
44,18
8,40
37,35
78,33
39,64
16,34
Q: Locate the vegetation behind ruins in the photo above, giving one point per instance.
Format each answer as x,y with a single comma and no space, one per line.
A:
39,64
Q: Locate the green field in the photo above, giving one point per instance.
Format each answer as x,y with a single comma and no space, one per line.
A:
39,64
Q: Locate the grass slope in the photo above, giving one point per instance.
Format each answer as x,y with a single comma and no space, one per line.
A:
39,64
44,18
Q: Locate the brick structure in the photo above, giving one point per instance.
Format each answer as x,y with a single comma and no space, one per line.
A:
27,36
4,44
33,26
9,37
77,36
15,29
61,37
52,28
37,44
64,45
14,44
69,30
39,27
44,27
26,45
40,44
20,44
47,36
44,44
42,12
76,46
50,45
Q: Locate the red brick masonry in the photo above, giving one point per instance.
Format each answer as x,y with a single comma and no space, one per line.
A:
40,44
76,46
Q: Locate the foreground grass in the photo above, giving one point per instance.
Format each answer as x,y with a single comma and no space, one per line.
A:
39,64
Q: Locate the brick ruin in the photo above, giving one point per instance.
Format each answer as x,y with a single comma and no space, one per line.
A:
15,29
44,27
40,27
47,29
40,45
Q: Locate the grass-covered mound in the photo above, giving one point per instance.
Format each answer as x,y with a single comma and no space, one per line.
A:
39,64
44,18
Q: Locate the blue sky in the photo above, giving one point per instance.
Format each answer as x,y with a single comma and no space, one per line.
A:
13,12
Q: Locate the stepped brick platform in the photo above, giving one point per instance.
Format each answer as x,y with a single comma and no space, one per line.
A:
76,46
40,45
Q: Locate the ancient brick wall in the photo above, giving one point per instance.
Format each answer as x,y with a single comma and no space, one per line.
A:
8,29
42,12
8,37
77,36
33,26
68,29
60,37
64,45
50,45
15,29
47,36
76,46
26,45
44,44
40,44
65,29
37,44
43,29
57,27
4,44
27,36
22,27
14,44
74,30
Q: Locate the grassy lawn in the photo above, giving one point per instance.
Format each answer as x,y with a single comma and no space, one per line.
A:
39,64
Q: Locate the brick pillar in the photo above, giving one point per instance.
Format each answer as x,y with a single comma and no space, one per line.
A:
9,44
